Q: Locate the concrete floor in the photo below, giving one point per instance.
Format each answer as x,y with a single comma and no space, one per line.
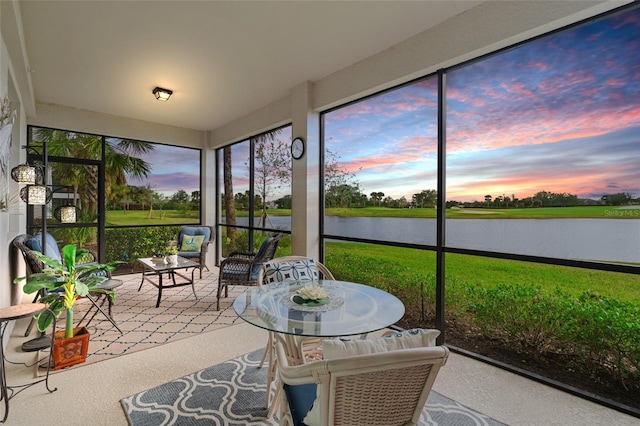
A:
90,394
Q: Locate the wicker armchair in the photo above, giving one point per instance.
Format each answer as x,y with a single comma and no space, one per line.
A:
27,244
243,268
386,388
198,255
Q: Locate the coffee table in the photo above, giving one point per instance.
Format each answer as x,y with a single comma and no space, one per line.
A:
156,269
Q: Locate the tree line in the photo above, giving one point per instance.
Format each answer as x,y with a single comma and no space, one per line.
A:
349,195
129,197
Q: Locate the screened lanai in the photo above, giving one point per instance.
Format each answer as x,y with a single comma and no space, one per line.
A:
475,159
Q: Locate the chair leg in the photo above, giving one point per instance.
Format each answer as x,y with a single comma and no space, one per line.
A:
219,293
32,322
268,350
275,403
271,372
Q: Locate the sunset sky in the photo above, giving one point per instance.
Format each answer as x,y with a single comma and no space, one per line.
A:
173,169
559,114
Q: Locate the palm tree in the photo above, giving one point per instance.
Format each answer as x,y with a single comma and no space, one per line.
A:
121,161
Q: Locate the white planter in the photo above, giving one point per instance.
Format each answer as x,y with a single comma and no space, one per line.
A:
172,258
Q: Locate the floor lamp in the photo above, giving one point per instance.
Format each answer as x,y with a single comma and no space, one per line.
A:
37,192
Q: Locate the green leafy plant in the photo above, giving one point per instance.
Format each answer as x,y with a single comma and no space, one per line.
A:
64,283
171,250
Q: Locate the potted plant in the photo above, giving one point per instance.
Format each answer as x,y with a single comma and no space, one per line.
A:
61,285
171,251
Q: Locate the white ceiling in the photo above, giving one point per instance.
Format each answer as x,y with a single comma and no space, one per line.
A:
222,59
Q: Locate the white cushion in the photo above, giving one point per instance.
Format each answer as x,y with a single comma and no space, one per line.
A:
340,348
291,270
416,338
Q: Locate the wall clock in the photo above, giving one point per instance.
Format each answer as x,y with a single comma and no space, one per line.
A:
297,148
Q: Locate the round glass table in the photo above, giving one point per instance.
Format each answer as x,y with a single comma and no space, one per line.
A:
351,309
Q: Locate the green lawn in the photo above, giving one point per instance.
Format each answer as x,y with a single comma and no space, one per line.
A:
376,263
158,217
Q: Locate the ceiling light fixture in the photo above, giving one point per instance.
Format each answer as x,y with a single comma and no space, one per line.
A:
162,94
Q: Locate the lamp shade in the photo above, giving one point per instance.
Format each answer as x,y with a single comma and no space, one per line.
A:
24,173
66,214
162,94
35,194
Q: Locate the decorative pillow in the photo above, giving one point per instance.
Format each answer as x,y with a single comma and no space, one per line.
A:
191,242
52,250
294,270
86,258
416,338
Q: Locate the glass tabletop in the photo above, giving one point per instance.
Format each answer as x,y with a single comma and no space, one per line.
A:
160,265
351,309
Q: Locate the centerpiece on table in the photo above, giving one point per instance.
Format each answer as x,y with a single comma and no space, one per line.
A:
171,251
311,295
61,285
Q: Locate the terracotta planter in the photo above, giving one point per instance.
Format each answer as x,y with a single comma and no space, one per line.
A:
67,352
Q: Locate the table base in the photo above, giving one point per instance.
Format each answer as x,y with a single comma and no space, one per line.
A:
146,274
7,315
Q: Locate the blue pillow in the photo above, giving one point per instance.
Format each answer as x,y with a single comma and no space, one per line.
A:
300,399
52,250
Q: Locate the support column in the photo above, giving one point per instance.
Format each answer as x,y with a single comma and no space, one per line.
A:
305,183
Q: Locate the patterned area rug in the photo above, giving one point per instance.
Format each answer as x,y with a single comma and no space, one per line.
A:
144,326
233,393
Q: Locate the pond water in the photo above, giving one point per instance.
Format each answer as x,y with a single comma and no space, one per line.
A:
582,239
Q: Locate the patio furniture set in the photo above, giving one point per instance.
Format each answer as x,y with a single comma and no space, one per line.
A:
338,381
322,381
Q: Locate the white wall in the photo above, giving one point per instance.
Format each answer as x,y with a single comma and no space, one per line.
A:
60,117
12,221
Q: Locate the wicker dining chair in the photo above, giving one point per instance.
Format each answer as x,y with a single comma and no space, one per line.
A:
295,269
386,388
243,268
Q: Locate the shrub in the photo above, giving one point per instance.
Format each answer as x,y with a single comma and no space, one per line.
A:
605,332
527,315
129,244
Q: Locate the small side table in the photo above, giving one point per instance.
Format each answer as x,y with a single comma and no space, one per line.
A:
109,285
8,314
